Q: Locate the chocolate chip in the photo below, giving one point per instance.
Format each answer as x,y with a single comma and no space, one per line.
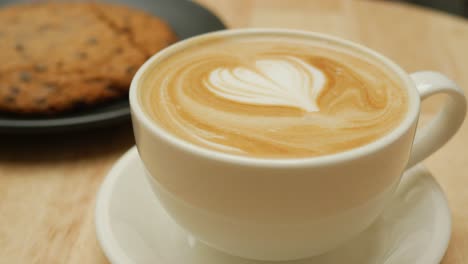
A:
40,101
130,69
44,27
50,86
40,68
9,99
113,88
14,90
19,47
82,55
125,29
118,50
25,76
92,41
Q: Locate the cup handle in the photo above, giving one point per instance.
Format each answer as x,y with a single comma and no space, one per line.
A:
446,123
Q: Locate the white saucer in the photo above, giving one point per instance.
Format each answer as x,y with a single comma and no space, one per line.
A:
132,227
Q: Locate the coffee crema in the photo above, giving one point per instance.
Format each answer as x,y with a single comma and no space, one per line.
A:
273,96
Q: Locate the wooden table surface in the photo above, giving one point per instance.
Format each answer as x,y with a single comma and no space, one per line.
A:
48,184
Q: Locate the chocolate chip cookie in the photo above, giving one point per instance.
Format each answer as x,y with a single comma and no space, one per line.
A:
59,56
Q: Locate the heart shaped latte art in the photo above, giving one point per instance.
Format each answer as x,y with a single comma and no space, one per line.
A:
284,81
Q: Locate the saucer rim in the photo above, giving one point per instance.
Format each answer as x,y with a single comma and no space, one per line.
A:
104,233
115,254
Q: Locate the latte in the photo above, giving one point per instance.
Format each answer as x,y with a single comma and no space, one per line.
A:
273,96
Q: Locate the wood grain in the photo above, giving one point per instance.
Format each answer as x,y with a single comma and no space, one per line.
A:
48,183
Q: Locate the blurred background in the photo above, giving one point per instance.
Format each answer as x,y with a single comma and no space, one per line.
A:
458,7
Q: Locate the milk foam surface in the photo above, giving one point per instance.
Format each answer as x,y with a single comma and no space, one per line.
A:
282,81
273,96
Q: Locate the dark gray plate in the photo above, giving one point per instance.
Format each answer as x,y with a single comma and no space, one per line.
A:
185,17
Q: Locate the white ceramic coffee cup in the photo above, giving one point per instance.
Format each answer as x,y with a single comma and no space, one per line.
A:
272,209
